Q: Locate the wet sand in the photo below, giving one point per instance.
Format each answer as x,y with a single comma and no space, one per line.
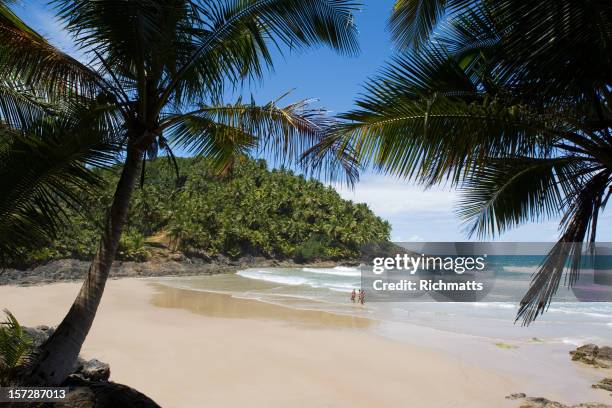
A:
222,305
189,349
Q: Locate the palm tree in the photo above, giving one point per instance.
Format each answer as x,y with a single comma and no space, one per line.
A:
159,71
508,101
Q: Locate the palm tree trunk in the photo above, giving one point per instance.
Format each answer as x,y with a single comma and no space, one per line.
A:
58,355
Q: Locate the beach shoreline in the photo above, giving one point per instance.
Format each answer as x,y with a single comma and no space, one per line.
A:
181,359
186,349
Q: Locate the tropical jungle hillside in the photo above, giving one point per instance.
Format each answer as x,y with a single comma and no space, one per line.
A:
249,211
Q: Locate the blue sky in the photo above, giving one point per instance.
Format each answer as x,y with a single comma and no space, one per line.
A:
335,81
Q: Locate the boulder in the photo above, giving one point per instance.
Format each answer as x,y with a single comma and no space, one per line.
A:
39,334
93,370
103,394
599,357
516,396
605,384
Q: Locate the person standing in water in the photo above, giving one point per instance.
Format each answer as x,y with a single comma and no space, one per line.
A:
353,294
362,296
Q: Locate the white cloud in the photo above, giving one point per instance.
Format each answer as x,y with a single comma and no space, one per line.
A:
387,196
428,215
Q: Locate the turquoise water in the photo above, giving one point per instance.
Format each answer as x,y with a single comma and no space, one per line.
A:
566,322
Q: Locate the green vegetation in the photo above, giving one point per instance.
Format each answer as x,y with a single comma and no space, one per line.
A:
252,211
15,348
506,346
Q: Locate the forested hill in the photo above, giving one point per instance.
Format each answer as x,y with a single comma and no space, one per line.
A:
252,211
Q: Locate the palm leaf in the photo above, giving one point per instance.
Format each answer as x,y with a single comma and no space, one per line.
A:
566,255
15,348
508,192
224,132
413,21
42,171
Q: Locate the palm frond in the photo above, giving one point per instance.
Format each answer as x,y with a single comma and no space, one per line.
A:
566,255
412,22
508,192
226,131
20,106
15,348
28,57
42,171
235,33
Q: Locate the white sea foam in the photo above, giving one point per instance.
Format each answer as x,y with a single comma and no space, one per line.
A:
577,342
284,277
336,287
338,271
600,311
275,278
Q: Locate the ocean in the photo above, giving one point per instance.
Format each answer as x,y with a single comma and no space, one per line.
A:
567,321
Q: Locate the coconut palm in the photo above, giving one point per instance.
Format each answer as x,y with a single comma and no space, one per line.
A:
509,101
161,69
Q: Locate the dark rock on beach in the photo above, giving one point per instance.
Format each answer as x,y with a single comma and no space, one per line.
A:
103,394
72,270
93,370
598,357
39,334
539,402
164,264
605,384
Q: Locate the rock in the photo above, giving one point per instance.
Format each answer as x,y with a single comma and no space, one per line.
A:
75,270
605,384
599,357
103,394
539,402
519,395
177,257
93,370
39,334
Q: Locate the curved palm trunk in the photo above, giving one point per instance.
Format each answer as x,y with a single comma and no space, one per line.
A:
59,354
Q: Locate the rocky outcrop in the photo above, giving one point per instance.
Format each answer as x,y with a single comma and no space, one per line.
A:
173,264
598,357
93,370
72,269
38,334
539,402
103,394
605,384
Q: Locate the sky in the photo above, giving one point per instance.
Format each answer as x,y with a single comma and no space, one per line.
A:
336,81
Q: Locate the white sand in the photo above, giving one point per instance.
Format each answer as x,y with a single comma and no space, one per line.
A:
245,357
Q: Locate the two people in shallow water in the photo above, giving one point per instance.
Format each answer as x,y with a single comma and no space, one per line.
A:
360,299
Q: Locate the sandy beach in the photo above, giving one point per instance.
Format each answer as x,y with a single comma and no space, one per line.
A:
189,349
